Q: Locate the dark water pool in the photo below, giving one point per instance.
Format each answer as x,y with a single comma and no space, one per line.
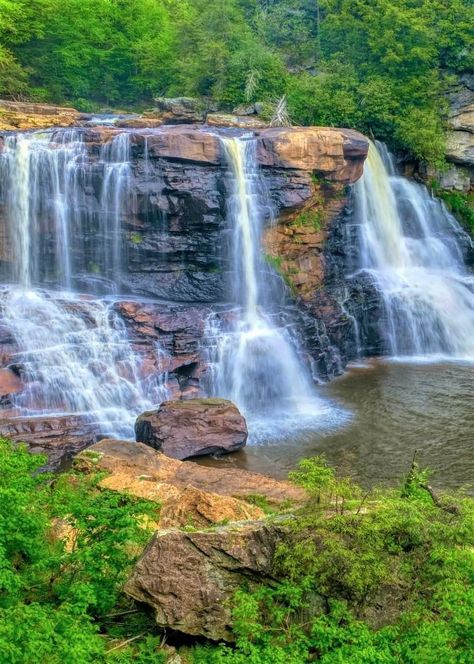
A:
395,408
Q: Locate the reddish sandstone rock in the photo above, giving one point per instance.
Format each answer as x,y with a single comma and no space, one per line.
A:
184,143
141,471
10,383
57,436
338,154
184,429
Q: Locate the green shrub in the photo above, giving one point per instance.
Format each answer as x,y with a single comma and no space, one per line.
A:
54,591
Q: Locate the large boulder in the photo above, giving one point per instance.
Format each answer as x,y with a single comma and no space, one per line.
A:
141,471
57,436
183,143
173,110
189,578
184,429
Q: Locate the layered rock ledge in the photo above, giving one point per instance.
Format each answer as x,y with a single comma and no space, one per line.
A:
24,116
186,493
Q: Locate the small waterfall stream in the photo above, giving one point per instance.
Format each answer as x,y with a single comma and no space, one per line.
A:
410,246
256,362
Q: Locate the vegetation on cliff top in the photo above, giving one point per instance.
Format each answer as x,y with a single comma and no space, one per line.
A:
380,66
402,551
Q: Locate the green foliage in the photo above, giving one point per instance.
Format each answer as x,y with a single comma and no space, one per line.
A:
259,500
395,549
53,588
66,547
380,66
311,219
461,205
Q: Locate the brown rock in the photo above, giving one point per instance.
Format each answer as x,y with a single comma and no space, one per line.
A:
180,109
229,120
338,154
142,471
186,143
22,115
10,383
139,123
56,436
189,578
193,507
195,427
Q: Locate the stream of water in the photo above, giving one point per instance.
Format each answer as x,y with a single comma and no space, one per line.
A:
76,355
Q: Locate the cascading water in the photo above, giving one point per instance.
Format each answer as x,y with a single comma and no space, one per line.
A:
409,245
73,352
75,357
256,364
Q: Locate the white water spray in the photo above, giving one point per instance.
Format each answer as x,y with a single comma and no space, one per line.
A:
409,245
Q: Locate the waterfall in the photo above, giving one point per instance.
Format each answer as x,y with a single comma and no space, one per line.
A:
411,247
255,363
44,177
39,181
73,351
75,357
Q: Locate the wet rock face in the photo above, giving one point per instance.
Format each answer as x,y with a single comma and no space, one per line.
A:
460,134
175,249
184,429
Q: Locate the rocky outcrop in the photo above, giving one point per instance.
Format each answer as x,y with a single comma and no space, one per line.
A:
183,143
175,255
22,116
337,154
184,429
200,509
460,134
10,383
250,122
141,471
193,594
174,110
58,437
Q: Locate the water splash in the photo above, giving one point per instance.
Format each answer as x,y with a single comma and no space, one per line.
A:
410,245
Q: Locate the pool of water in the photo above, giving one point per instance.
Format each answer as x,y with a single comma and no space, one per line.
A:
394,409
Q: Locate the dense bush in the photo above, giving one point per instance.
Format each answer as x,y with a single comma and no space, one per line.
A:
398,543
66,547
57,591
